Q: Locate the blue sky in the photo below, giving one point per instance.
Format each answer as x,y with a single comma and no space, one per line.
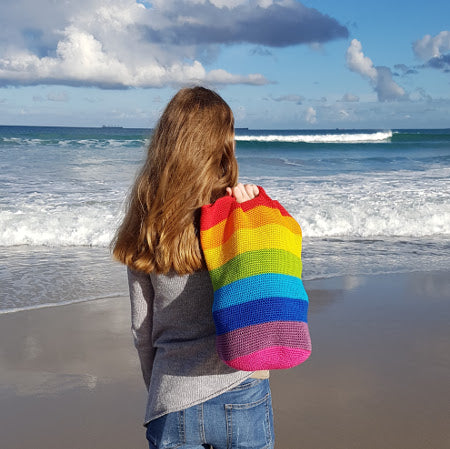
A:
280,64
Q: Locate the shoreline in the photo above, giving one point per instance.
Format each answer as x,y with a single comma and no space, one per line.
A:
322,278
58,304
377,376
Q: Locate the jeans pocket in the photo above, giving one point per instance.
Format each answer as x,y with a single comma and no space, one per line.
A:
166,432
250,424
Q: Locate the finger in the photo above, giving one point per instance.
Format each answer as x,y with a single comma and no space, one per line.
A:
238,193
229,191
247,193
251,190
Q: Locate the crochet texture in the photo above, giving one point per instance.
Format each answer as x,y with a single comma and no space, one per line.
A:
253,255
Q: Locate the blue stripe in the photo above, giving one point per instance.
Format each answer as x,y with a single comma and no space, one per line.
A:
260,286
260,311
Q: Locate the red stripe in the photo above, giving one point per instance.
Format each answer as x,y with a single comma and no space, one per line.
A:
212,214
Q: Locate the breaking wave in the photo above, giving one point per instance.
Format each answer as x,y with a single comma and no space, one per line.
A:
319,138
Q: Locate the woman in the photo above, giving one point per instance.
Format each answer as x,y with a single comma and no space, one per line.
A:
194,399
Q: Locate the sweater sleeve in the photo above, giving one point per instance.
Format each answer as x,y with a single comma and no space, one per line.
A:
141,296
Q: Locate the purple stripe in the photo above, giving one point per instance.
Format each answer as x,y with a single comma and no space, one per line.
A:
249,339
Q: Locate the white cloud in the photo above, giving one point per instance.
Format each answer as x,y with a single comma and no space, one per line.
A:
387,89
227,3
81,59
122,43
380,77
220,76
420,94
432,47
357,62
265,3
311,115
350,98
297,99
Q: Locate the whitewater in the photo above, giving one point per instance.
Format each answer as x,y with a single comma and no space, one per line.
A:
318,138
368,201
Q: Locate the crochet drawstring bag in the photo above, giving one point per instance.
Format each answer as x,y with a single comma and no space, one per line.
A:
253,254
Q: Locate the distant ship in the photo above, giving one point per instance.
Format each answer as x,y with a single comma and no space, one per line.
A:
112,126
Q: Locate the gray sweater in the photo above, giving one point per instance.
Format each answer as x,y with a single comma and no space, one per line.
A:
174,334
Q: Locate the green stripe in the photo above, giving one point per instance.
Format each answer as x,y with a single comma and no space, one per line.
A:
256,262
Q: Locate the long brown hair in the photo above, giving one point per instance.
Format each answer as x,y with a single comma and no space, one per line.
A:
190,162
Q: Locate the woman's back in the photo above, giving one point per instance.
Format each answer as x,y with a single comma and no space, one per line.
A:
190,162
186,368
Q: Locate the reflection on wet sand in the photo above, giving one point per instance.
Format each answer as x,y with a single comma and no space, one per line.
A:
378,374
377,377
47,351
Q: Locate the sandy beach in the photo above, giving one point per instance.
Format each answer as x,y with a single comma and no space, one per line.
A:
378,376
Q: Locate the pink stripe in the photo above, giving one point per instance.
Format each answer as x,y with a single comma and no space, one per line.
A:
270,358
250,339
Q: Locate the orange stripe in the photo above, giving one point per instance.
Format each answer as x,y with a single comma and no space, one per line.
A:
258,216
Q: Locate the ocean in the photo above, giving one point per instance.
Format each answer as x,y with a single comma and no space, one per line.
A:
368,202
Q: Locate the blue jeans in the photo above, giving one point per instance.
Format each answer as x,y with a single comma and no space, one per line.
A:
239,418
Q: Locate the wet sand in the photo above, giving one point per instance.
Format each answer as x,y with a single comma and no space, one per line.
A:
378,377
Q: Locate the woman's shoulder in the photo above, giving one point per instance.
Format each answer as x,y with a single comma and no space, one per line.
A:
199,280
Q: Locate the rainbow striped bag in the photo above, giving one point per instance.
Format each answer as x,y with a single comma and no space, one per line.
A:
253,255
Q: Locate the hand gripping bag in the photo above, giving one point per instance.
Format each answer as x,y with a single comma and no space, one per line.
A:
253,255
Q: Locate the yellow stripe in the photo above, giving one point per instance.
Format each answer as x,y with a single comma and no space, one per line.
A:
254,218
271,236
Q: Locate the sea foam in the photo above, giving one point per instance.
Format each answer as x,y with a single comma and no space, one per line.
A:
381,203
391,204
319,138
